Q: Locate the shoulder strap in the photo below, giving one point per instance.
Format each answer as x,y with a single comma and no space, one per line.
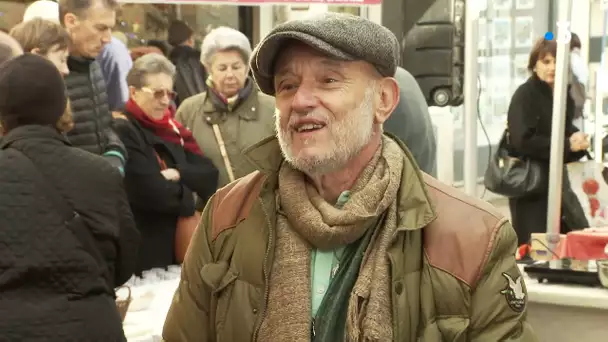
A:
70,217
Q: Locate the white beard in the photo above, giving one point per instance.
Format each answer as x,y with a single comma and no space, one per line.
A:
348,137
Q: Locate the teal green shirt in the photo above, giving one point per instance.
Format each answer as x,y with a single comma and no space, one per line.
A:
323,265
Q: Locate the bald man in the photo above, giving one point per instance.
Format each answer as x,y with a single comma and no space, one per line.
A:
9,48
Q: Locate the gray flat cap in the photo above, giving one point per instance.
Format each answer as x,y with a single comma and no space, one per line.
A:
340,36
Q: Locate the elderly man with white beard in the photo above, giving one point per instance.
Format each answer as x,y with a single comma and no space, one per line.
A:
338,236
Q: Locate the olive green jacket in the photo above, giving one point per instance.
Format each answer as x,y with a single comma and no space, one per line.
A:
453,270
250,122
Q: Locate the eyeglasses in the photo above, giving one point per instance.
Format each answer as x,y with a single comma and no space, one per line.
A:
160,93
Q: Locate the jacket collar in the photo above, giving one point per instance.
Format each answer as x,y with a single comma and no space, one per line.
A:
247,110
149,137
32,132
79,64
184,51
415,207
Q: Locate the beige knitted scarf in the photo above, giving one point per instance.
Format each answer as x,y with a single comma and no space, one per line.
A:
307,221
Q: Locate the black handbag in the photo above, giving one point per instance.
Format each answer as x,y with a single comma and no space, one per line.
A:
515,177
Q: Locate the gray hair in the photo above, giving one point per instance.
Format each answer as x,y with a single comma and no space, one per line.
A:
150,64
224,38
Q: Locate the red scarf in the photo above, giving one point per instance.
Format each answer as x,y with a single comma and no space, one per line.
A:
166,128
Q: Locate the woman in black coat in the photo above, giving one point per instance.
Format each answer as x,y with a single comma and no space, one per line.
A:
529,127
67,235
165,168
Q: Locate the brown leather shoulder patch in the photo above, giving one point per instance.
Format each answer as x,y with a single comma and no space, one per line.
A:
460,239
232,203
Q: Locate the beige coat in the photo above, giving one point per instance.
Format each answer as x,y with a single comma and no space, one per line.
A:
249,123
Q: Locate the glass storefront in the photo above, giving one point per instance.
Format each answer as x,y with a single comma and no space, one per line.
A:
507,31
141,22
11,13
283,13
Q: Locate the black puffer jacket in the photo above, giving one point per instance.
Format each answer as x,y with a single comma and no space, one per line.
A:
92,118
190,75
51,288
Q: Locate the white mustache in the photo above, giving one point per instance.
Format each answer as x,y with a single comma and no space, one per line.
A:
294,117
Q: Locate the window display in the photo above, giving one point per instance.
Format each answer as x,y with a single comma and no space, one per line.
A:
501,33
283,13
524,4
524,34
142,22
507,31
502,4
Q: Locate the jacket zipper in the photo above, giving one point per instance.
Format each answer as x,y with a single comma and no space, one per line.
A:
266,272
96,110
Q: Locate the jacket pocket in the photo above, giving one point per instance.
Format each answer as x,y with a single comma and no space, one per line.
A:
219,278
445,329
453,328
235,302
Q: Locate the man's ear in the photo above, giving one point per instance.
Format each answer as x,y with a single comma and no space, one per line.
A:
70,21
132,91
387,99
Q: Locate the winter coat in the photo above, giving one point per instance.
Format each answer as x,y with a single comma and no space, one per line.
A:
452,259
157,203
51,284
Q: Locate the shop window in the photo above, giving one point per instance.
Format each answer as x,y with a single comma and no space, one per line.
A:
507,31
142,22
11,13
283,13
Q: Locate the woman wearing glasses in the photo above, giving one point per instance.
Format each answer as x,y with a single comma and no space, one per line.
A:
165,166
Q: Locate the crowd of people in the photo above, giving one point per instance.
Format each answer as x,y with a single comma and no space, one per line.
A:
327,223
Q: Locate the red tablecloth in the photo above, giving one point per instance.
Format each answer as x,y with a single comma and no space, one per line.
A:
588,244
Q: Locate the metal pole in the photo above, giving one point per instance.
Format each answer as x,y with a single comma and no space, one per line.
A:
600,84
556,170
471,92
178,12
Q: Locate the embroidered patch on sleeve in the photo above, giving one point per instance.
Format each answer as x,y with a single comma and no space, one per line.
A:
514,293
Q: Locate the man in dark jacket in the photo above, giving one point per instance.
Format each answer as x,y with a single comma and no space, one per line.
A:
411,122
90,25
190,75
